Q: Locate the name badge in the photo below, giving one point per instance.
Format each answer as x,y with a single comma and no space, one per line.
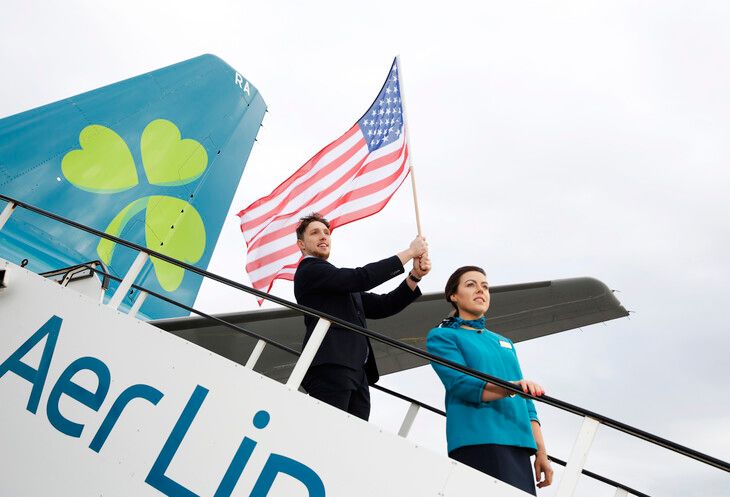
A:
505,344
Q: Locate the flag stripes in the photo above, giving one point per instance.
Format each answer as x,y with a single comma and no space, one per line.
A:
351,178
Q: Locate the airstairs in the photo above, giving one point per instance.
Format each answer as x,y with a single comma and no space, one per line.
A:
97,402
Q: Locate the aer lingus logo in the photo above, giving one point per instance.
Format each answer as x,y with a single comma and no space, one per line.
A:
173,227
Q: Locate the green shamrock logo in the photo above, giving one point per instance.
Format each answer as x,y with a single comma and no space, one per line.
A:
104,165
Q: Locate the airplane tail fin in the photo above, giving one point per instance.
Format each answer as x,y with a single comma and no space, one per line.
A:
155,159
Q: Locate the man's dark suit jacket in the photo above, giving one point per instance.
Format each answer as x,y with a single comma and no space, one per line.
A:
342,293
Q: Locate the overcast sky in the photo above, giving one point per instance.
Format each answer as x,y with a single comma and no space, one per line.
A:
550,140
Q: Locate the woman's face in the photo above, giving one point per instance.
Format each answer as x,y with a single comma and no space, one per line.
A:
472,295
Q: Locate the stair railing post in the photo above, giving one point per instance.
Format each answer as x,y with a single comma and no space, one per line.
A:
5,214
405,427
137,304
620,492
255,354
129,278
310,350
578,456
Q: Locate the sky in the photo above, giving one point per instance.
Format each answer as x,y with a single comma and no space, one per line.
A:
550,140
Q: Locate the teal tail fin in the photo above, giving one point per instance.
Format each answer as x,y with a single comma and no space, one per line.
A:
155,160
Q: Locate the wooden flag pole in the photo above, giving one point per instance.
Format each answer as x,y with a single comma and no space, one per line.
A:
408,144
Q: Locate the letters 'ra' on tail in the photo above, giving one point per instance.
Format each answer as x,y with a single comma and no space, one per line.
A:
155,160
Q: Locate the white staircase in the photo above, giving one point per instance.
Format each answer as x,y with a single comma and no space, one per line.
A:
94,402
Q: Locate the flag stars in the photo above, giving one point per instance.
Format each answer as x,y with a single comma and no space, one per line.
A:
383,122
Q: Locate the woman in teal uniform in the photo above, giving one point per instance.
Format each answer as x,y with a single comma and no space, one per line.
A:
487,427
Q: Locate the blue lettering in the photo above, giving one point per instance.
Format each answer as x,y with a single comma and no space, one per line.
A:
64,386
134,392
240,459
156,477
276,464
35,376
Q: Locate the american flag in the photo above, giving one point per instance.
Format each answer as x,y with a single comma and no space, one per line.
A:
351,178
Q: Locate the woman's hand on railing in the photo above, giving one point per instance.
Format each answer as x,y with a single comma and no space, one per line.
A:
531,387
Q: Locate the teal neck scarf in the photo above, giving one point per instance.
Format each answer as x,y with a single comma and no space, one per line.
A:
457,322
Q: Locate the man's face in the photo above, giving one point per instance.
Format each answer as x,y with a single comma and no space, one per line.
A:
315,240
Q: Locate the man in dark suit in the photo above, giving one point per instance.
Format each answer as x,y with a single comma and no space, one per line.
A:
345,365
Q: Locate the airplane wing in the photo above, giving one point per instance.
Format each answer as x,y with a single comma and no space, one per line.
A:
155,159
520,312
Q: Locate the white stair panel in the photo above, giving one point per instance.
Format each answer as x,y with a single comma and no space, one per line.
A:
349,456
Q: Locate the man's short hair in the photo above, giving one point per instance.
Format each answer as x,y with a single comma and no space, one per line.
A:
307,220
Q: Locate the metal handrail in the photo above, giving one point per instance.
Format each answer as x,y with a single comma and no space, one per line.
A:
565,406
602,479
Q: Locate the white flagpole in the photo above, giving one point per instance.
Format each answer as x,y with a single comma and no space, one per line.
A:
410,151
